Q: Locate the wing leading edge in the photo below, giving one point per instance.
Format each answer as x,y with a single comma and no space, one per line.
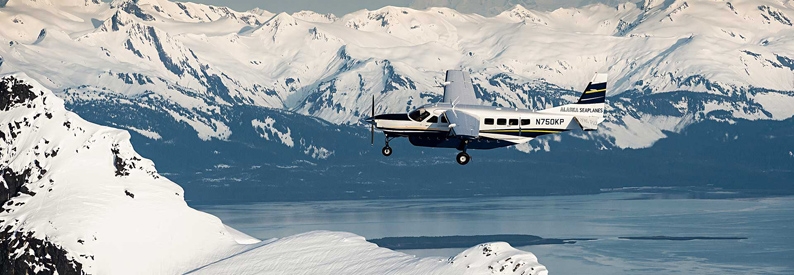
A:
458,88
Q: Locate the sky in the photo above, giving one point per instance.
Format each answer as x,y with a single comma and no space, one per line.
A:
342,7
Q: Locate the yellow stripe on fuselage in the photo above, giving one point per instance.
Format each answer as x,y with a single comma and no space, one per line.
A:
595,91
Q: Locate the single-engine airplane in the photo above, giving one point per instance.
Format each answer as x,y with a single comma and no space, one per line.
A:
459,122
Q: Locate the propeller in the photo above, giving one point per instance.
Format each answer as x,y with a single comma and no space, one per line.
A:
372,125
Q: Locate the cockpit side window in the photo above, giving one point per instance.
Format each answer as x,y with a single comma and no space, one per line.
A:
419,114
433,119
444,118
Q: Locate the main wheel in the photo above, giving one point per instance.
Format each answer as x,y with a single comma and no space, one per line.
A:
463,158
386,151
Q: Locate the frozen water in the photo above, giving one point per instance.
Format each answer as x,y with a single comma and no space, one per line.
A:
765,222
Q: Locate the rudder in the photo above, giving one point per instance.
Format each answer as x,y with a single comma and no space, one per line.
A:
596,90
589,109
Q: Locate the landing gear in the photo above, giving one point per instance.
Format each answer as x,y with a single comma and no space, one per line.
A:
463,158
386,151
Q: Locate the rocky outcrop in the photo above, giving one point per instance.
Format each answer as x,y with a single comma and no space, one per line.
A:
22,252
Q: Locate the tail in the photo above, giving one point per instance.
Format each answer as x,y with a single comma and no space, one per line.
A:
589,110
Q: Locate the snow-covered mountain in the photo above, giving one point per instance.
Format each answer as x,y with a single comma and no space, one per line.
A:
240,105
77,199
700,60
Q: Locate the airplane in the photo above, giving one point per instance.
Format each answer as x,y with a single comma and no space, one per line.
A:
458,121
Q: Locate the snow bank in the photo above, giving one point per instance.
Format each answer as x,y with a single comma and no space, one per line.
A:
345,253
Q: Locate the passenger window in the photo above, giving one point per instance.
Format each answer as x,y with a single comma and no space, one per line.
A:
444,119
489,121
501,121
433,119
525,122
513,121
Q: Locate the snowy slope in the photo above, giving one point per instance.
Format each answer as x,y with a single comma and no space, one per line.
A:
351,254
76,197
190,59
83,188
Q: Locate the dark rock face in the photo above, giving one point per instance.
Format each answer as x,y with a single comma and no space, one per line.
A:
122,165
132,8
125,164
14,184
21,252
13,91
38,257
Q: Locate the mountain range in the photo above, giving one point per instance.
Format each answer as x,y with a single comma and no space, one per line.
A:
238,105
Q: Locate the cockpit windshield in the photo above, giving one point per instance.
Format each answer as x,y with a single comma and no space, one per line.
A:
419,114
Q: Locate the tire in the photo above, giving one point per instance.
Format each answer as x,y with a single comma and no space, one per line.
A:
463,158
386,151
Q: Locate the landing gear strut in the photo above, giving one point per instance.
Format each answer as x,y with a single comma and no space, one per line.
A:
386,151
462,157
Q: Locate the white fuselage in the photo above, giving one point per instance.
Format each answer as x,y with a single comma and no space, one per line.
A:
509,124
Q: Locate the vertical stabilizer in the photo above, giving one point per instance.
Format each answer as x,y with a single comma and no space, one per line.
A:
596,90
589,109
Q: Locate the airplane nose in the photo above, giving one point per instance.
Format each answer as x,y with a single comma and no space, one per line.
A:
369,120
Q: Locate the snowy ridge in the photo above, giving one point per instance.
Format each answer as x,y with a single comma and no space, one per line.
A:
76,198
188,59
87,191
309,251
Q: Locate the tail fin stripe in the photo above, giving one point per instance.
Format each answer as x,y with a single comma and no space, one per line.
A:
597,86
595,91
583,100
586,97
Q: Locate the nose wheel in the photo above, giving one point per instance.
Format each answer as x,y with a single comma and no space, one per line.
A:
386,151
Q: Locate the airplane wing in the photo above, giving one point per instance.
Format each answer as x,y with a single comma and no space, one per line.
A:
458,88
465,125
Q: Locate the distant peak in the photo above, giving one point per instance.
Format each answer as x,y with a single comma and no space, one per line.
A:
520,13
315,17
519,8
56,3
280,20
131,7
116,3
282,16
258,11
